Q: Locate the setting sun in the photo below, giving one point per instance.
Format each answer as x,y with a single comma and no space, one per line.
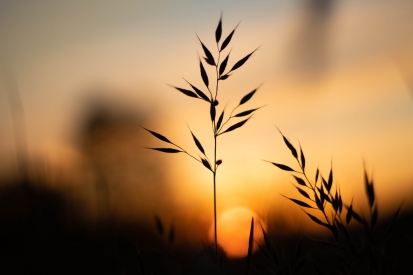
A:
234,229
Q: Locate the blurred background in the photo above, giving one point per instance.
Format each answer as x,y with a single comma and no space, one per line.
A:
79,78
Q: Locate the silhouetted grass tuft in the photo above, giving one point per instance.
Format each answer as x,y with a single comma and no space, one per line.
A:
365,257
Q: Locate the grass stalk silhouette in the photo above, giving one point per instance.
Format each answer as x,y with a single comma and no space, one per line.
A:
218,123
318,195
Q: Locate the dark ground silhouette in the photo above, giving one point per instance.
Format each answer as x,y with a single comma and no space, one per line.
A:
40,235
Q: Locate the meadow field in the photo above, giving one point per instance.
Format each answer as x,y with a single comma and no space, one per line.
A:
206,138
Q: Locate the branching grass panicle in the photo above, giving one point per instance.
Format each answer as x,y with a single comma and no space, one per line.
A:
221,124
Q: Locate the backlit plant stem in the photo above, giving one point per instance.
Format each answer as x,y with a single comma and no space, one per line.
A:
222,73
215,159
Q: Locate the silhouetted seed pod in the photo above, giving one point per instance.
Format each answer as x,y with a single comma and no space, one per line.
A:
216,102
219,162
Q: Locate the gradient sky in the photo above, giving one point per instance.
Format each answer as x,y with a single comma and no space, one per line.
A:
354,107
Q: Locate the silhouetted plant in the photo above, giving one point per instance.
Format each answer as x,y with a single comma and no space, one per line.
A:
250,246
319,195
211,98
280,264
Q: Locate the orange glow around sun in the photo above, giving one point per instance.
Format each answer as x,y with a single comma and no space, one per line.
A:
234,229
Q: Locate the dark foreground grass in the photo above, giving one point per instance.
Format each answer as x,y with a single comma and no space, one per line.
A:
40,233
43,231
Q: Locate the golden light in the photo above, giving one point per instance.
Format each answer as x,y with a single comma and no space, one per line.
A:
234,230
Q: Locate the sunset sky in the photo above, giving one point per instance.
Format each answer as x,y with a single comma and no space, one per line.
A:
339,81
